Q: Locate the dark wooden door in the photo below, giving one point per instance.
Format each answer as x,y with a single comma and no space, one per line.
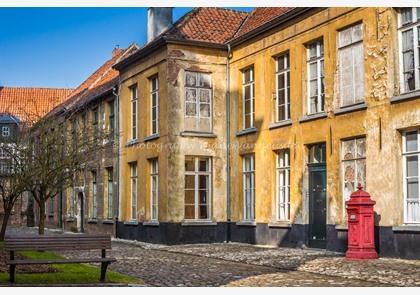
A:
317,205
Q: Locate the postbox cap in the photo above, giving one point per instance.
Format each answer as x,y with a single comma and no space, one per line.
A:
360,197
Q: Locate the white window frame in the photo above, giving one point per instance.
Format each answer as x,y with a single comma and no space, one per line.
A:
251,175
415,26
154,109
356,168
154,178
5,131
134,111
355,100
133,192
94,195
198,89
406,154
110,191
283,187
319,60
286,72
197,173
251,84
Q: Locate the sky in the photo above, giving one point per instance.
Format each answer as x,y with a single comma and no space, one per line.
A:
60,47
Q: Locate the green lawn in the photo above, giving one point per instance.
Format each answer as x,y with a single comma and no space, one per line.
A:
66,273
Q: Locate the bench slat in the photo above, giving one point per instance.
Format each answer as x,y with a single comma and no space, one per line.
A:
67,261
62,242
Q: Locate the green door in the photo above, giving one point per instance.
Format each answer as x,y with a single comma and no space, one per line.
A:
317,196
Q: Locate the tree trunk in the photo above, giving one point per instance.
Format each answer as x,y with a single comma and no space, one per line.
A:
6,217
41,218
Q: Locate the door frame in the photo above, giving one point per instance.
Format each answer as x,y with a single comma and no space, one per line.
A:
316,167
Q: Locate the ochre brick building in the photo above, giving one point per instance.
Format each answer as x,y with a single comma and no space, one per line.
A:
311,102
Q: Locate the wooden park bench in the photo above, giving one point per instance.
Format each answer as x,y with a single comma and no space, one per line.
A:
65,242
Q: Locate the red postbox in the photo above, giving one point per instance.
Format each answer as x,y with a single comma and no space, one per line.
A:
361,234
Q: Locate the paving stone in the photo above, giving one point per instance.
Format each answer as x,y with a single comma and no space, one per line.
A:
234,264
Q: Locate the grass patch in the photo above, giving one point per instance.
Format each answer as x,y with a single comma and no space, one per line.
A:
66,273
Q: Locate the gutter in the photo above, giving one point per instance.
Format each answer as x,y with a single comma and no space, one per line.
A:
117,98
228,176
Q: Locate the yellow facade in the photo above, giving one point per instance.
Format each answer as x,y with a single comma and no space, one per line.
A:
174,142
381,122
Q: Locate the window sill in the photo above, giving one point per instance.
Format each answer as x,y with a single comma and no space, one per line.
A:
92,220
247,131
280,224
407,228
151,137
108,221
198,134
70,219
280,124
341,227
247,223
132,142
350,109
405,96
312,117
198,223
151,223
131,222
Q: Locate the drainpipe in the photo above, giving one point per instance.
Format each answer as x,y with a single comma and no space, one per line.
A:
228,185
117,128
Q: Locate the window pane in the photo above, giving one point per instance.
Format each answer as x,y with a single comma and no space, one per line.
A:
411,141
191,109
312,50
349,178
202,195
413,188
357,33
189,211
189,163
191,95
344,37
189,197
247,92
359,72
203,182
205,95
190,79
205,110
412,166
406,15
247,76
203,212
203,165
361,147
205,80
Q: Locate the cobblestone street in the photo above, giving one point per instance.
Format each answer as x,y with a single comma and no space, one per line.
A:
246,265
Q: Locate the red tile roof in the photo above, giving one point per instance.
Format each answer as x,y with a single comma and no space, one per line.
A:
260,16
207,24
104,79
30,104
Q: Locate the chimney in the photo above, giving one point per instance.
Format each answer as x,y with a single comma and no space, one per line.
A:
158,20
116,51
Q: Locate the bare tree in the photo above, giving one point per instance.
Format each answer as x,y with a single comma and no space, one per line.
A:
56,148
12,179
